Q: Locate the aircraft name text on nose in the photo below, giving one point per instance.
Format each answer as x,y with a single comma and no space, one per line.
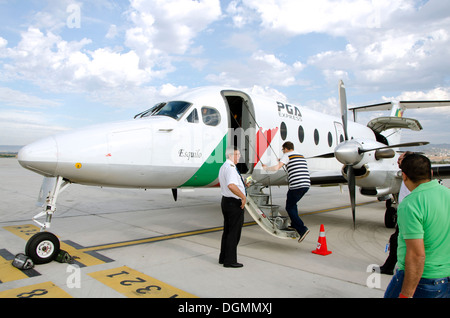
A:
190,154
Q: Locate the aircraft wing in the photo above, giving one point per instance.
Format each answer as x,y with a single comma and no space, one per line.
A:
405,104
383,123
323,178
330,178
441,171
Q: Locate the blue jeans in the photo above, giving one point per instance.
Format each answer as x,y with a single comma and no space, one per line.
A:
293,196
427,288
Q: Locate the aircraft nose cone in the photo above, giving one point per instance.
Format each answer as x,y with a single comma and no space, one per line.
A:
40,156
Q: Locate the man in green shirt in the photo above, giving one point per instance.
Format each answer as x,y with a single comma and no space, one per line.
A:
424,240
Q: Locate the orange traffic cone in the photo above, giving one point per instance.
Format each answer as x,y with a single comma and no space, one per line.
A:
322,243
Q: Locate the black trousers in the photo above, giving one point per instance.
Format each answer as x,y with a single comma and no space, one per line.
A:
233,217
391,260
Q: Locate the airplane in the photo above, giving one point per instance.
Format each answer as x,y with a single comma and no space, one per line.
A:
181,143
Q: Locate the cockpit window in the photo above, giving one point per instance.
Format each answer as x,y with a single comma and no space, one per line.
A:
174,109
151,111
193,117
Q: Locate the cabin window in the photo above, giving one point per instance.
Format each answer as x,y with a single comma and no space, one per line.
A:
316,137
330,139
283,131
193,117
210,116
301,134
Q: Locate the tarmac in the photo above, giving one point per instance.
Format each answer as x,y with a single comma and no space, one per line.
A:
131,243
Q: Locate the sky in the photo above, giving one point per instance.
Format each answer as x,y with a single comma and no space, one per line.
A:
66,64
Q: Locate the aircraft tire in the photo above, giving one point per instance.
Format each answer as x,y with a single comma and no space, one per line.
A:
43,247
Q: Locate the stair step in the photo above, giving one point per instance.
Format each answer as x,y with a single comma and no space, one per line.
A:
260,199
267,216
270,209
270,220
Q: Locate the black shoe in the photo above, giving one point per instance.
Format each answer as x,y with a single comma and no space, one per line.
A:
233,265
302,236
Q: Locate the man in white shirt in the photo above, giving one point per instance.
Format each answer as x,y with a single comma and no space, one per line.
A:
233,202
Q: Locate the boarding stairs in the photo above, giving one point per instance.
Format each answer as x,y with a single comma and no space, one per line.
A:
266,215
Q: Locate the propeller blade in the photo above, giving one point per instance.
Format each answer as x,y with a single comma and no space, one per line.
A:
175,194
351,188
325,155
343,103
408,144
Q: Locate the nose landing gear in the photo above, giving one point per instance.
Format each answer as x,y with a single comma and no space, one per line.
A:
44,247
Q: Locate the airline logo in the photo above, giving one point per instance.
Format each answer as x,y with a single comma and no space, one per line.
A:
289,111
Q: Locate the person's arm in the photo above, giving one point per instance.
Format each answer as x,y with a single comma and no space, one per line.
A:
414,263
273,168
234,188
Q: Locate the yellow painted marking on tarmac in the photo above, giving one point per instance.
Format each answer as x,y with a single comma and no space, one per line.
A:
9,273
80,256
134,284
25,231
151,239
28,230
43,290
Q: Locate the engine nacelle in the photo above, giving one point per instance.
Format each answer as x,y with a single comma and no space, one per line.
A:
377,180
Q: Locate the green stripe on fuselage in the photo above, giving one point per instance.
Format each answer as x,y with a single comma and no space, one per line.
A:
209,171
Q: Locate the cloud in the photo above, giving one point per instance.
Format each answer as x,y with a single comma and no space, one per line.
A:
396,57
240,14
137,98
3,43
322,16
26,125
402,44
439,93
163,28
112,32
261,69
58,65
160,32
11,97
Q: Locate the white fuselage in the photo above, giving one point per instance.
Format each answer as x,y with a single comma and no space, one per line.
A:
187,150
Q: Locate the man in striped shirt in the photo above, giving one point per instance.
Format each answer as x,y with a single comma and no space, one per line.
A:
299,184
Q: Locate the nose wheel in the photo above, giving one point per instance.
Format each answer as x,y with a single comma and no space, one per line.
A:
43,247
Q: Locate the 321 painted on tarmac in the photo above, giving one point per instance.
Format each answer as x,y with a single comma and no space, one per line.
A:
134,284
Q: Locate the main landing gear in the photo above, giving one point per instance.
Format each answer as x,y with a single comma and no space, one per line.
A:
44,247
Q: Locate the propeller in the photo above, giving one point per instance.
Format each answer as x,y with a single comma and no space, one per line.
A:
343,103
350,152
